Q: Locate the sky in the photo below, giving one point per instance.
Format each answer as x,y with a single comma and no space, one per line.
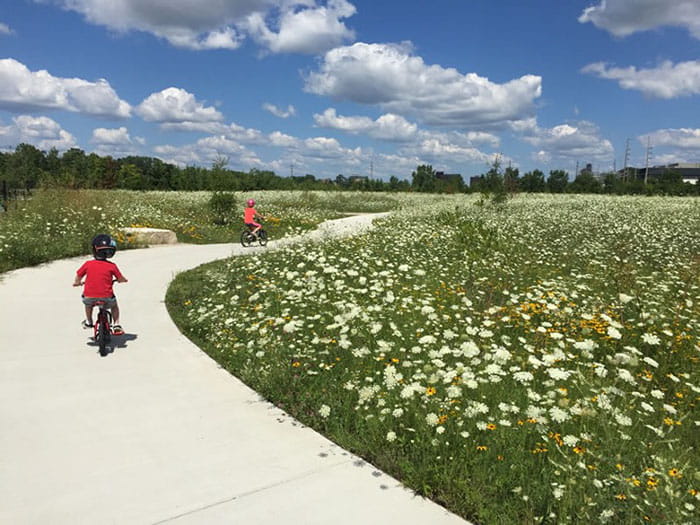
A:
356,87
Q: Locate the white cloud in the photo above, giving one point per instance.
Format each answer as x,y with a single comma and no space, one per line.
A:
282,140
115,142
667,80
114,137
436,149
576,141
278,112
24,90
208,149
308,31
42,132
289,26
624,17
5,29
388,75
176,106
386,127
683,138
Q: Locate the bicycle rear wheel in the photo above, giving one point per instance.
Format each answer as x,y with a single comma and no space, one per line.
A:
103,335
247,238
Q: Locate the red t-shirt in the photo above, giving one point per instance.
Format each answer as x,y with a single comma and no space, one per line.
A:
100,274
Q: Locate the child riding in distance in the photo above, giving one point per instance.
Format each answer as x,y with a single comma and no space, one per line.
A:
99,275
249,215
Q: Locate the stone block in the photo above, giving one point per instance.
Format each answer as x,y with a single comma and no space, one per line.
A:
149,236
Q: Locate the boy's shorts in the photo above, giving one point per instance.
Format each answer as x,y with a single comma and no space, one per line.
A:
109,301
252,225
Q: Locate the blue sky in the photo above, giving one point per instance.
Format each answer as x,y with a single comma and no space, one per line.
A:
355,86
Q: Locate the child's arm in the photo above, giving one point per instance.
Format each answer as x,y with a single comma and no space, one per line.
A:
118,276
79,276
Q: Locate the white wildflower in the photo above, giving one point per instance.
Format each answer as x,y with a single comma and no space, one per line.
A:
558,373
432,419
569,440
623,420
651,339
614,333
624,298
558,414
650,362
523,377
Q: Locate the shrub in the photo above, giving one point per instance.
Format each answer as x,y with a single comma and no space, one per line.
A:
222,206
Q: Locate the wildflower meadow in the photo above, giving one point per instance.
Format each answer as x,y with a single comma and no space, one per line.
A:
60,223
534,362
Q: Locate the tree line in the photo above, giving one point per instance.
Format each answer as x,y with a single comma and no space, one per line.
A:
28,167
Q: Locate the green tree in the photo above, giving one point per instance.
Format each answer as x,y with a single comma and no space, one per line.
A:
25,168
423,179
586,182
533,182
130,177
558,181
511,180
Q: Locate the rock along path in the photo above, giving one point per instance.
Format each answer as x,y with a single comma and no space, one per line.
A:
157,432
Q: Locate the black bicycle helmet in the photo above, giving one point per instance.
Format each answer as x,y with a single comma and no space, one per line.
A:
103,246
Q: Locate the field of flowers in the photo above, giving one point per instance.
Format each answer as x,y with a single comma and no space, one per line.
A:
60,223
536,362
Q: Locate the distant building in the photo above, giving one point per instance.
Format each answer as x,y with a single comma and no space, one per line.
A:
688,171
357,179
455,178
587,170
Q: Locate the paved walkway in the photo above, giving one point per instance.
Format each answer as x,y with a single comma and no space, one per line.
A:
156,432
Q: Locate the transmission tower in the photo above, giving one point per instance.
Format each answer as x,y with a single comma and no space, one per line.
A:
646,170
627,158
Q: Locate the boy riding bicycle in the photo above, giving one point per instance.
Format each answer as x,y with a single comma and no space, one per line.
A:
249,215
99,275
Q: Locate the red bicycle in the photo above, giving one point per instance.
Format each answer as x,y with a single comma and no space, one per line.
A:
103,327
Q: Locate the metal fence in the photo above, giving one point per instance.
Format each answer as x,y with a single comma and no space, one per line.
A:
11,194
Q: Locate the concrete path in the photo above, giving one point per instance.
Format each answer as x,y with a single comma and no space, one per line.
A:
156,432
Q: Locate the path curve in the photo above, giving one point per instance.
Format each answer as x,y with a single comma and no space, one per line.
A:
157,432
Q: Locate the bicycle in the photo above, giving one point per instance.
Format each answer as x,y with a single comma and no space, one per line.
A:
248,237
103,327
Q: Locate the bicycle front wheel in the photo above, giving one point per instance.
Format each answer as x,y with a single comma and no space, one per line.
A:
262,237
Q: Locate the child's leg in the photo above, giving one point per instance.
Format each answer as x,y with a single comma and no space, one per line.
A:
88,313
115,313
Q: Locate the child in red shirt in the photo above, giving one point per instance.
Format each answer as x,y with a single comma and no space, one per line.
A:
99,275
249,215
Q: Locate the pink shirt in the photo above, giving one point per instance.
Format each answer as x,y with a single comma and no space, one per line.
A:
249,215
